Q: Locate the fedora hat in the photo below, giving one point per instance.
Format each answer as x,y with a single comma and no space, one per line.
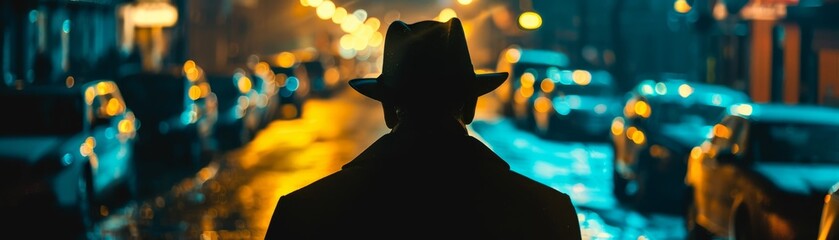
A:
427,62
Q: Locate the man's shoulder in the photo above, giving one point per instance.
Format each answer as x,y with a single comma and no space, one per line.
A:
522,183
345,181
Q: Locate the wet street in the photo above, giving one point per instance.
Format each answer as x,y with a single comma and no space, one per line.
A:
234,196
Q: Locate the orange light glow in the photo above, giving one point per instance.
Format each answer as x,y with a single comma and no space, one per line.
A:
189,64
153,14
376,39
638,137
542,104
205,89
339,15
722,131
192,74
530,20
512,55
685,90
526,92
89,95
547,85
642,109
446,14
313,3
581,77
331,76
194,92
285,59
630,131
326,10
125,126
113,107
696,152
262,68
103,88
681,6
617,126
69,82
244,84
527,80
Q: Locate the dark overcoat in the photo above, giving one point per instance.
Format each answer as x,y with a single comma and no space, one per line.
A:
437,186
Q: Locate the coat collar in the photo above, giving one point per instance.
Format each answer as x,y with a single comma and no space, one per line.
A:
403,150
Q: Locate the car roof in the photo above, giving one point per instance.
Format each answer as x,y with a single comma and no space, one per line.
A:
543,56
778,112
703,93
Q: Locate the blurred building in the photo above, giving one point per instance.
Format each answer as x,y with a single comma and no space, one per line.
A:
57,41
776,50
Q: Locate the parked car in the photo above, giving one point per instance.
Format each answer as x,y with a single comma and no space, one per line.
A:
764,173
321,84
178,112
576,106
661,122
293,92
527,68
236,125
829,228
65,155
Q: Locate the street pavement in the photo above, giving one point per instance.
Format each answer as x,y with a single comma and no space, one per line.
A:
234,196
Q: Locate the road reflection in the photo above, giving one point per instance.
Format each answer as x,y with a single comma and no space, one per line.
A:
234,196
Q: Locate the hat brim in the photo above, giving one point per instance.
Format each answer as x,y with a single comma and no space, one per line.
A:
486,82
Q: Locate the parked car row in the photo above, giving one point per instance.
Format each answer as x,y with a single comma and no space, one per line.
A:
543,95
660,122
71,152
767,171
66,151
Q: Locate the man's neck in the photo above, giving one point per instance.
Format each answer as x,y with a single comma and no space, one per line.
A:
425,125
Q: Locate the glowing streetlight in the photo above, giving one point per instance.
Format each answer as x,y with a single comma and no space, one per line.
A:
464,2
530,20
446,14
326,10
681,6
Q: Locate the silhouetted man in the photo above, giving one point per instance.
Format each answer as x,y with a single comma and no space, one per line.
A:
427,178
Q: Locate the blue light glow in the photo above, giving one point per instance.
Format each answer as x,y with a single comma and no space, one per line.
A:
67,159
562,107
292,84
33,16
65,27
565,77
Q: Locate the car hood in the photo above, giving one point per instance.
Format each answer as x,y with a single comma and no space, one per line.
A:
687,135
30,149
812,179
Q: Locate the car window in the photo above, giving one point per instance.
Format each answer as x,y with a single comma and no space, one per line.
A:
42,114
585,90
676,112
723,134
790,142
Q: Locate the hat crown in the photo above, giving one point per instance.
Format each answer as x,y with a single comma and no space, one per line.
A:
424,52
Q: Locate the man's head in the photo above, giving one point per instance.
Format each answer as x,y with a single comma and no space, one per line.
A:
427,70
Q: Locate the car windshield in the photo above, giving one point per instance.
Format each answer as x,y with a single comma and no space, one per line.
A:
154,97
794,142
540,71
41,114
585,90
672,112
